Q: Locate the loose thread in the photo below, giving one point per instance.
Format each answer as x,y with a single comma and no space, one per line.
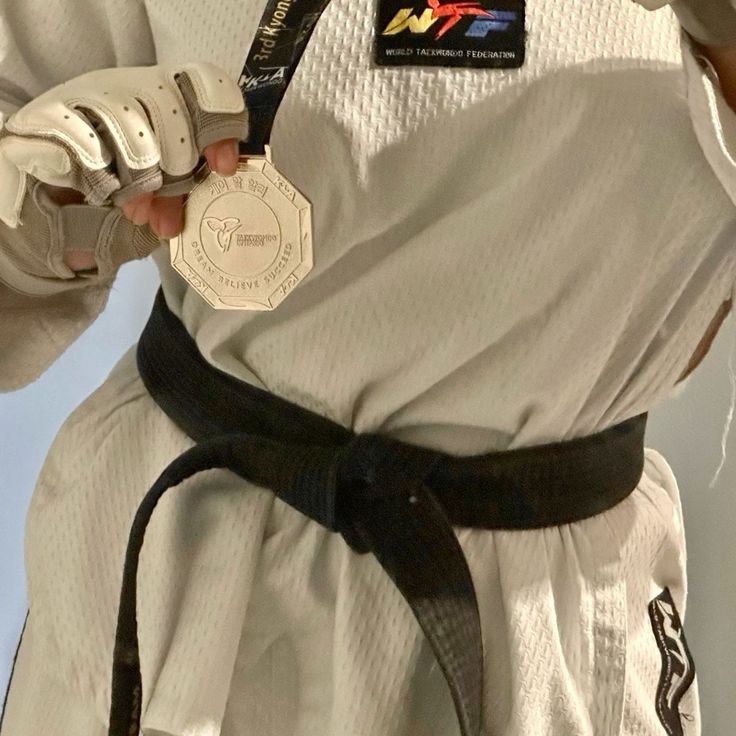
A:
729,417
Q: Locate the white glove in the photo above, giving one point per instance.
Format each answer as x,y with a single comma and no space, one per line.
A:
113,134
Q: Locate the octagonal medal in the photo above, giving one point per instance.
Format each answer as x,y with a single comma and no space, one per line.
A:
247,238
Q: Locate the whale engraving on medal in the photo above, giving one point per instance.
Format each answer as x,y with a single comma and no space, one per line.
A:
224,230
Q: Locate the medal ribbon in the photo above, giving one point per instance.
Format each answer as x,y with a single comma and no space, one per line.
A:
280,41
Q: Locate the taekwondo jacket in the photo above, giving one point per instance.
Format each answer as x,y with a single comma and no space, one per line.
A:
503,257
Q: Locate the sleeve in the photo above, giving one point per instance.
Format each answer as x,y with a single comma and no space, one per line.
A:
39,316
713,119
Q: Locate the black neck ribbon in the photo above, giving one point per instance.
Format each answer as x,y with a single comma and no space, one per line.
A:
281,39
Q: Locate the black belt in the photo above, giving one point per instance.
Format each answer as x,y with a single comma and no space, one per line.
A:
396,500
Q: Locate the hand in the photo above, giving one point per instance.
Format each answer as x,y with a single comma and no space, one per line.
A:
163,214
127,137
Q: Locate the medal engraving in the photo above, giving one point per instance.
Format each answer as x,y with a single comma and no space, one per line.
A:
247,238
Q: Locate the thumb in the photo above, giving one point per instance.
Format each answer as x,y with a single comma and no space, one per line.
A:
121,241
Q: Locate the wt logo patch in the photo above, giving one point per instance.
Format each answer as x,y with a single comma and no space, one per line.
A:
470,33
449,13
678,668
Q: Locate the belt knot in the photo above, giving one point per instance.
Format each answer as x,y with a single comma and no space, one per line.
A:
373,469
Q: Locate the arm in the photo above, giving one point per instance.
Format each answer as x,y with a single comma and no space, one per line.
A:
711,92
708,48
723,60
39,318
58,259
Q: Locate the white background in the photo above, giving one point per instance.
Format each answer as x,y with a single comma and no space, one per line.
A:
687,431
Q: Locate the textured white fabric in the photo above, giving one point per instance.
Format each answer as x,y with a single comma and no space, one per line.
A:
503,258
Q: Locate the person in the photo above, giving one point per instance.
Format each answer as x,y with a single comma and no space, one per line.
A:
504,257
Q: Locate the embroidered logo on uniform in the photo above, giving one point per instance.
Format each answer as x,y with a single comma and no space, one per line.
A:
502,21
488,21
405,19
471,33
678,668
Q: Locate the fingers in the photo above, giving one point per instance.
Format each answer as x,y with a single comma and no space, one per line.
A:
165,214
214,102
222,156
138,209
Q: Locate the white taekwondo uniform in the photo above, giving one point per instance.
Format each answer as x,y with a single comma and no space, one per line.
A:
504,257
